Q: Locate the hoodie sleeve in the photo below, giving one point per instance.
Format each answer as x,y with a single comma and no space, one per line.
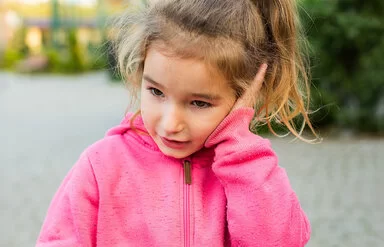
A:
262,208
72,216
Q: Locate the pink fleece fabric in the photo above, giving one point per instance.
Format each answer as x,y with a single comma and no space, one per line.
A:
124,192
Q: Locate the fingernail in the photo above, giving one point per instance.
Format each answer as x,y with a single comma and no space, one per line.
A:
264,66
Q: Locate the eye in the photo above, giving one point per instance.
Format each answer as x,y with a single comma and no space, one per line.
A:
201,104
155,91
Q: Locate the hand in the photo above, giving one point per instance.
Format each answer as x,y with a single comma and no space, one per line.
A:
248,99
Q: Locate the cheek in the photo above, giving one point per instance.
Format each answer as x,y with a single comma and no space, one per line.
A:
145,103
145,110
149,121
206,126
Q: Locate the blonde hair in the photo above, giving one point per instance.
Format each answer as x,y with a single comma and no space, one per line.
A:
235,37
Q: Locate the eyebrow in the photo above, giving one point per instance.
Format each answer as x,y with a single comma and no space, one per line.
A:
150,80
211,97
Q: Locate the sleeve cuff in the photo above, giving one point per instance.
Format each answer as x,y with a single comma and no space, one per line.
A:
235,124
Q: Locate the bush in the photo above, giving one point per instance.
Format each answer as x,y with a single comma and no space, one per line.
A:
11,58
15,51
347,38
74,62
68,58
97,57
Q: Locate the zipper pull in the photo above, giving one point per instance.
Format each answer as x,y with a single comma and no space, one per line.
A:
187,172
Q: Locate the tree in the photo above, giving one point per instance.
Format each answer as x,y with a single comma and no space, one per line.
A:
347,38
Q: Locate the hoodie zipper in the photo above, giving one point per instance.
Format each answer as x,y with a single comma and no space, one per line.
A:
187,184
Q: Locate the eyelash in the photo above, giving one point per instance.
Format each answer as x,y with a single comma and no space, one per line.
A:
206,105
157,93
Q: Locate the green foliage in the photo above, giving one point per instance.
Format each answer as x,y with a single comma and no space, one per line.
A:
10,58
71,58
74,62
15,50
112,63
97,58
347,38
56,62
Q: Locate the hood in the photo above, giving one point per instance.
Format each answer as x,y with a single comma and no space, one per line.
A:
136,128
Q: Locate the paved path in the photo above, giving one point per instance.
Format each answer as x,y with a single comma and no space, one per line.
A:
45,123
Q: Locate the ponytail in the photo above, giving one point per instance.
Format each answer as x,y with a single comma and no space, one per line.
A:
287,87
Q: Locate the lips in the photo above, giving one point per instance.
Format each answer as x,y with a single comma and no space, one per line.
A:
173,144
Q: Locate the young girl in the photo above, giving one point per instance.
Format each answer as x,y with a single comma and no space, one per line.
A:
186,170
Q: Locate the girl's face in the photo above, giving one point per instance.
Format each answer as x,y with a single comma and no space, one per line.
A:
182,102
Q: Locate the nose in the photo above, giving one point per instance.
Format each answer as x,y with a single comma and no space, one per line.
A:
172,120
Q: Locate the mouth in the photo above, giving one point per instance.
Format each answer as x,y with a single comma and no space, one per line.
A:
173,143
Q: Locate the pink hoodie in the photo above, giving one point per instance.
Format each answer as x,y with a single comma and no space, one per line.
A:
124,192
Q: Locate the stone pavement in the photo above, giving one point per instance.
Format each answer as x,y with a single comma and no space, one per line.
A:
46,122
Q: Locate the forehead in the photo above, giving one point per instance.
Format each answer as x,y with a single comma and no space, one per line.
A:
183,74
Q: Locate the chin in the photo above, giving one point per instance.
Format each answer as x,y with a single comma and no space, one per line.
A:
176,155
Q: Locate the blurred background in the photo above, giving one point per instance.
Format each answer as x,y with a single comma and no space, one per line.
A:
59,92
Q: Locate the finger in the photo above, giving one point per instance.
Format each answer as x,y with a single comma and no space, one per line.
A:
249,97
259,79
